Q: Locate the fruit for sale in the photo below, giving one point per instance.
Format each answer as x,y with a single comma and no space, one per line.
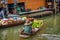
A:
11,19
37,23
4,22
24,18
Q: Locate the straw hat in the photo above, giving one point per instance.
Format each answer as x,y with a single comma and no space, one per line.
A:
30,19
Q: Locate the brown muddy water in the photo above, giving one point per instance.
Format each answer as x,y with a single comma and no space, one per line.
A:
50,30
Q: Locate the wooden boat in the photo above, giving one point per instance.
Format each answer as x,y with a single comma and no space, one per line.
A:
12,24
35,13
34,31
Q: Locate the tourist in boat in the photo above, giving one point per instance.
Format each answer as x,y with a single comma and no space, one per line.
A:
18,9
28,26
3,9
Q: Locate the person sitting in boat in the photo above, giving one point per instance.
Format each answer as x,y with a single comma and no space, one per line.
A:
28,24
18,10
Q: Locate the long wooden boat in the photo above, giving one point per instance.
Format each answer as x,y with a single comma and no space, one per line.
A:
34,31
12,24
37,13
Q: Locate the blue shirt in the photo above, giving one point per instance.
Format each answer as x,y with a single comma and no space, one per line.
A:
2,14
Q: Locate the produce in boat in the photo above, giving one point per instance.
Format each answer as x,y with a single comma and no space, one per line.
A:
34,31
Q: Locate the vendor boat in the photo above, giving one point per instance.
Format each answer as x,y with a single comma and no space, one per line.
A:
10,22
34,31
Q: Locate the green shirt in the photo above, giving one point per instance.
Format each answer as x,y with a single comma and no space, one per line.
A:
18,9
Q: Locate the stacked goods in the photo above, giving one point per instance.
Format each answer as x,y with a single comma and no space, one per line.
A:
4,21
11,22
15,20
37,23
24,18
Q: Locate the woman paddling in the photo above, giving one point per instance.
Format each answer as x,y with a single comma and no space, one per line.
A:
28,26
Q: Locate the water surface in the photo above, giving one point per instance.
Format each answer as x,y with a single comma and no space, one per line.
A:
50,30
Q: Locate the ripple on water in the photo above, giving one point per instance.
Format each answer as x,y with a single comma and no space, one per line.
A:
4,34
49,36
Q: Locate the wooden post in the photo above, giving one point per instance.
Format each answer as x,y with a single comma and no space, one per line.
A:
7,11
54,19
55,6
15,5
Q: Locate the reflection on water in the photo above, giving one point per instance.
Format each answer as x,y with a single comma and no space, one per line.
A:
50,36
50,30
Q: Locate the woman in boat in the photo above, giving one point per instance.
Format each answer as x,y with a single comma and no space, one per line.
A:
28,26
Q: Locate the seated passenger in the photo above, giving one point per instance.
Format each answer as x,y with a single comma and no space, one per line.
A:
18,10
28,24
